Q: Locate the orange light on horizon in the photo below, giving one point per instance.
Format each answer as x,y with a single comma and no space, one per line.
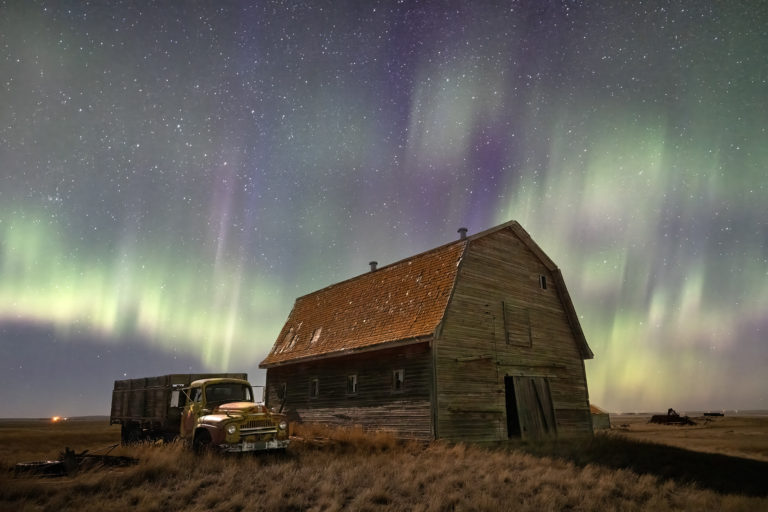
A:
56,419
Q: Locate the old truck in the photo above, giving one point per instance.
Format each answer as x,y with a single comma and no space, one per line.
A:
214,410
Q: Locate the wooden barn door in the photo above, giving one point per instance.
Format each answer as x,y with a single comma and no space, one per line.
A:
529,407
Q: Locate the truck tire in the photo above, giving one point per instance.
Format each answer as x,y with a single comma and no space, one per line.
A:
130,434
202,441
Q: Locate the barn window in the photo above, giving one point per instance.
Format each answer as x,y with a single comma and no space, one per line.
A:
352,384
398,379
314,388
517,326
282,393
543,282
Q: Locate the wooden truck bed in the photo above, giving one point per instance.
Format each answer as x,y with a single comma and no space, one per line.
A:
149,398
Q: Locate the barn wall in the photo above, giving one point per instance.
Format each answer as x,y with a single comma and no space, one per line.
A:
375,406
501,322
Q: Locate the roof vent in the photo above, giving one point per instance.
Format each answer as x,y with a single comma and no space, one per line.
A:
462,233
373,265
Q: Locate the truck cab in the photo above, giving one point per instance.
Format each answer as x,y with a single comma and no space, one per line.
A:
222,413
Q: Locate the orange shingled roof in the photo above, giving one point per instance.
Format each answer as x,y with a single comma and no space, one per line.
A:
402,301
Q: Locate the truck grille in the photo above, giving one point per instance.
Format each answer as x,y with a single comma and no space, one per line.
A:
263,422
259,426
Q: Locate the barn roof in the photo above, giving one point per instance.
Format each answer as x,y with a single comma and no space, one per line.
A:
401,303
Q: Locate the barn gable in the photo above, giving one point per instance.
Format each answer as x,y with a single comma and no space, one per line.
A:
556,275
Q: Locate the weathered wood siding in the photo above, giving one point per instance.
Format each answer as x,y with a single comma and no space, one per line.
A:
498,284
375,406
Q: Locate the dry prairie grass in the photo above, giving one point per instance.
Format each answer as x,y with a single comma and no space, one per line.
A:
739,436
329,469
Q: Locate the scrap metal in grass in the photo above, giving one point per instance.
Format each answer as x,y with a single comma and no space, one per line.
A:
671,418
70,463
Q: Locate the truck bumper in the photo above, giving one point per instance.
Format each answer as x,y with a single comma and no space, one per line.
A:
255,446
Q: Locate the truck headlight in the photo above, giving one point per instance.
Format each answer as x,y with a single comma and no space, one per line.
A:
231,428
283,425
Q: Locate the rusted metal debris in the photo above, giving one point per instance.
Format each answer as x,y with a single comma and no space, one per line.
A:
70,463
671,418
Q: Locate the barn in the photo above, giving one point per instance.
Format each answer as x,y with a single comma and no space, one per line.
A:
475,340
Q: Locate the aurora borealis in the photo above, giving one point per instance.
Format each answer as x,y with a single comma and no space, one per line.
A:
173,176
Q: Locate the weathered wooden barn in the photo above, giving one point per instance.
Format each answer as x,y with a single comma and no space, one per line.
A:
474,340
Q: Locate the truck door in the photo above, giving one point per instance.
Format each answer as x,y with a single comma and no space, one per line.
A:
191,412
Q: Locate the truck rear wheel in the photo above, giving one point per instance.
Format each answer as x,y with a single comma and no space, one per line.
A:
130,434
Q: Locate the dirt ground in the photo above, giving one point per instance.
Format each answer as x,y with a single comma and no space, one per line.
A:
738,436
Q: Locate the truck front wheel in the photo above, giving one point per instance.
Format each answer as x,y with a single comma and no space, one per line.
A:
202,441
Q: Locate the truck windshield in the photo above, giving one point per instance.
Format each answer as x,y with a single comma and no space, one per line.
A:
228,392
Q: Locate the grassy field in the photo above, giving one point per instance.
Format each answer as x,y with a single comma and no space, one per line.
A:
350,470
739,436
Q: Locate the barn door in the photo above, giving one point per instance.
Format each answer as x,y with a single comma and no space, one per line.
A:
529,407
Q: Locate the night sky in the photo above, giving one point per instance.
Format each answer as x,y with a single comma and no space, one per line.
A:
174,174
